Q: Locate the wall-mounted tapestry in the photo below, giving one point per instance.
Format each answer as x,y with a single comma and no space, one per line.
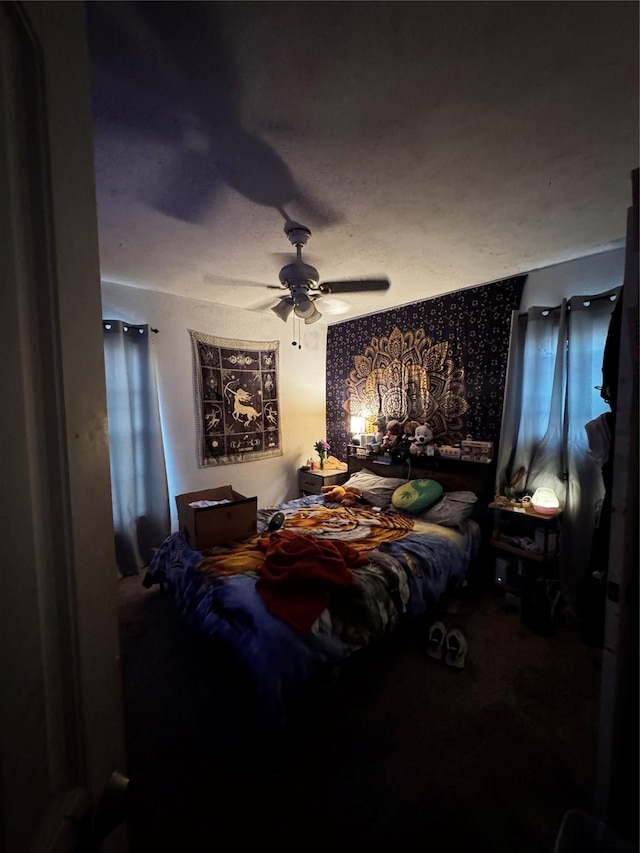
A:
442,360
236,390
408,375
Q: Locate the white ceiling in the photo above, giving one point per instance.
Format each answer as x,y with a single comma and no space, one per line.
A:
441,144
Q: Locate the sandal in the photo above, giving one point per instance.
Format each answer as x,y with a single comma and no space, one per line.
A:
437,634
456,649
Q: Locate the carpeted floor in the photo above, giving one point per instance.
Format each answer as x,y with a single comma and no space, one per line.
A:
402,750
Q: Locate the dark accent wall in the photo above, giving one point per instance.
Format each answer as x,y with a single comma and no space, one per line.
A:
475,323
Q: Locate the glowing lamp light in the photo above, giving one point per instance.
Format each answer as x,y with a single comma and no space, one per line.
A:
357,424
545,501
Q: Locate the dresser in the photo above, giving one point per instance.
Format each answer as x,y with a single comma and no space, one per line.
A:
311,482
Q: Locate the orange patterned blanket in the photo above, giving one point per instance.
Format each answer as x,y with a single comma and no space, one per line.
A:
362,527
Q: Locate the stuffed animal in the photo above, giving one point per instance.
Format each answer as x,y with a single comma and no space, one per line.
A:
392,435
347,496
381,427
408,431
422,436
405,439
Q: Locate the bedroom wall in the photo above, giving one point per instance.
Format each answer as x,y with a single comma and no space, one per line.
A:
302,372
440,361
582,277
546,286
302,388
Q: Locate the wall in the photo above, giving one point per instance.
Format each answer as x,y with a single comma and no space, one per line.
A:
440,361
302,372
546,286
582,277
302,388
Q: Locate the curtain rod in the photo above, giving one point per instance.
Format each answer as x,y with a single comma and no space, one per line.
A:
133,325
615,291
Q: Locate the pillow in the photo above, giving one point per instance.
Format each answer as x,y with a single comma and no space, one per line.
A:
416,495
454,509
375,490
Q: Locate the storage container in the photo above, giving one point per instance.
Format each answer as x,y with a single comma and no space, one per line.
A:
204,527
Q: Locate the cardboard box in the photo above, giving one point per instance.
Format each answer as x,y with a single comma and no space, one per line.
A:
204,527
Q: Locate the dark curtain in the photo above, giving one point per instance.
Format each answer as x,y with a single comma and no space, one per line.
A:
139,489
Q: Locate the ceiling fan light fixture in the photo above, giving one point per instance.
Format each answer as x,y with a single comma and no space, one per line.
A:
314,317
284,308
303,309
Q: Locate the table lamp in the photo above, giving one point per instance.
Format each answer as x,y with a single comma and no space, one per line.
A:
545,501
357,428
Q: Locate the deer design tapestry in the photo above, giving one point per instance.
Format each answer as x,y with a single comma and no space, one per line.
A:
237,411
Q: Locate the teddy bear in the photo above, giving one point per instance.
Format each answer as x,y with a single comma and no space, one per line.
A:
392,435
405,440
422,436
408,432
346,496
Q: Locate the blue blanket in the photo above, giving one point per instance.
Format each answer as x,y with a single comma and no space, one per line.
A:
412,566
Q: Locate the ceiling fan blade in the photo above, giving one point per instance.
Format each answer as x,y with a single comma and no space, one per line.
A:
356,286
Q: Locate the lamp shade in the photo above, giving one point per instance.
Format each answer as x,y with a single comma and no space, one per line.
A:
357,424
545,501
284,308
310,317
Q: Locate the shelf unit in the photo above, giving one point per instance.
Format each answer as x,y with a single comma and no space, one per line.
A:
515,564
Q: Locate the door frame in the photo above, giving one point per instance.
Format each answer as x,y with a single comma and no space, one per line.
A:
61,719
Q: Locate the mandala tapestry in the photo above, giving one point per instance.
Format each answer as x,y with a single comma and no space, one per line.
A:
441,360
237,411
407,375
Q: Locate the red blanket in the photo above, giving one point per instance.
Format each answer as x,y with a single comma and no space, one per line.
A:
298,573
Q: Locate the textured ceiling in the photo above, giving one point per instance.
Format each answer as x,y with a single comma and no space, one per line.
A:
441,144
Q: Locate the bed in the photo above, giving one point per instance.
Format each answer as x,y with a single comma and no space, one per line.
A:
333,580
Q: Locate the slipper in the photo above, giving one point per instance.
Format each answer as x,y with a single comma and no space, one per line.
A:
437,634
455,649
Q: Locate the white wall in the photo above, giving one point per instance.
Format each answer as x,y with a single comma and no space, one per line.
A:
582,277
301,393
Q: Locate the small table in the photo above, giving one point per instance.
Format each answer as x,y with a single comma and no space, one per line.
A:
311,482
512,521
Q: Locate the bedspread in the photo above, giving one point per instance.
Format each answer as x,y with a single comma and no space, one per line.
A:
408,566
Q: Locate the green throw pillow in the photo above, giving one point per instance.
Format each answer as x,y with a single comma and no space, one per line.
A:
416,495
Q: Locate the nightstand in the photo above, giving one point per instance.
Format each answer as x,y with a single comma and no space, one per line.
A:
311,482
527,546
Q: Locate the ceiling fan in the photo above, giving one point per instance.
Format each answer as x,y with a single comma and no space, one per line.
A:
303,282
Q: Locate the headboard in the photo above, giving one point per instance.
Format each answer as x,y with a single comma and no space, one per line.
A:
452,474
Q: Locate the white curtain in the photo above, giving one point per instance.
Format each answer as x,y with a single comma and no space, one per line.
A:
138,474
551,393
